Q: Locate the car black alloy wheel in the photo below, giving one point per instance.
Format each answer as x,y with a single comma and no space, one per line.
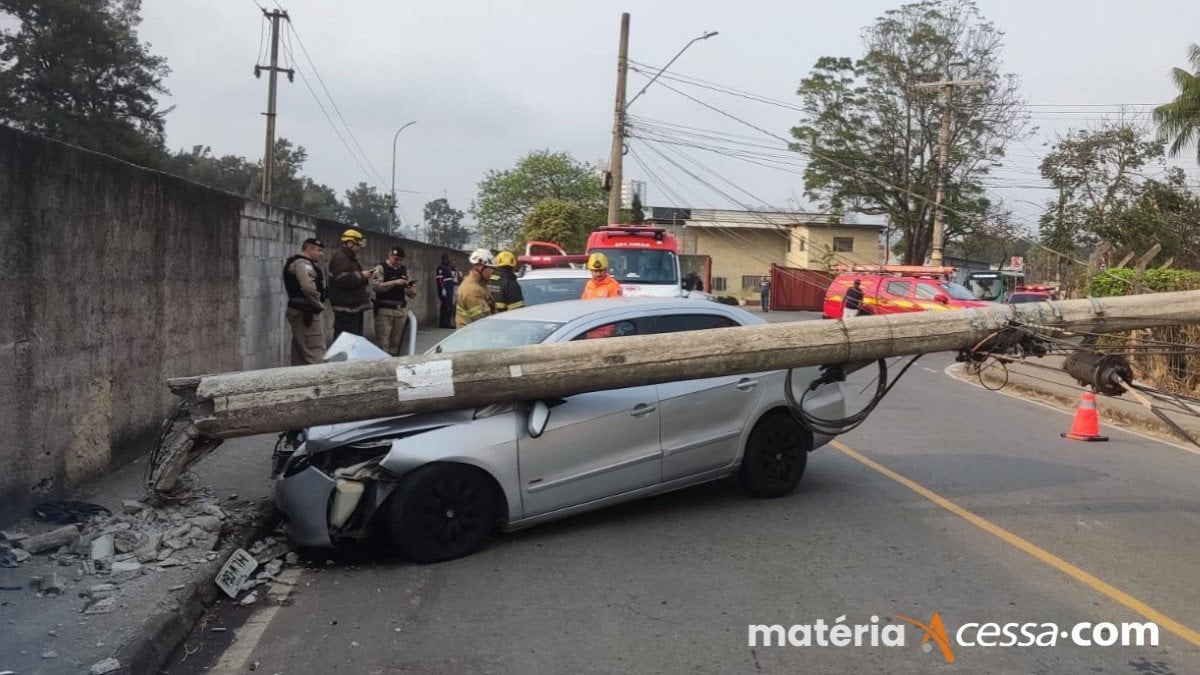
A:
443,511
776,456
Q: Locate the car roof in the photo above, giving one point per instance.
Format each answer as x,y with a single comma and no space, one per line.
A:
556,273
569,310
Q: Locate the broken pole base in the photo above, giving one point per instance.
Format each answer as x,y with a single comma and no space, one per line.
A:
180,446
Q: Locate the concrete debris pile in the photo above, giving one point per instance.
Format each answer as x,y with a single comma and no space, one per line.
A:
119,547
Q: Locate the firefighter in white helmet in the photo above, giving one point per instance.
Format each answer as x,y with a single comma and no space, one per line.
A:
474,301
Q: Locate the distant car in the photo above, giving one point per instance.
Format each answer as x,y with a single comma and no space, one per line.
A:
1023,294
553,284
440,484
898,293
1017,298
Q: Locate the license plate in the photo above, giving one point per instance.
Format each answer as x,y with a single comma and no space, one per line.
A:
235,572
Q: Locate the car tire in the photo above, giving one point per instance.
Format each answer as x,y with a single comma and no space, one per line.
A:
443,511
775,457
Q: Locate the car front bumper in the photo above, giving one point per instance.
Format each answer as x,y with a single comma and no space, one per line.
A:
304,499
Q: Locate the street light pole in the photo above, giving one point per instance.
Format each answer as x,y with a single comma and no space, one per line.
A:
664,68
616,179
393,201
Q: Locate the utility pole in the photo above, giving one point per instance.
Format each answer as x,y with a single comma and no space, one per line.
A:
228,405
939,220
274,70
618,143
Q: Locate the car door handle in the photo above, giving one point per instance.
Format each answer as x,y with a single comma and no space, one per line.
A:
746,384
642,409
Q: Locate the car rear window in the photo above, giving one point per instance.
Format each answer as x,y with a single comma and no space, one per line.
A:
540,291
496,333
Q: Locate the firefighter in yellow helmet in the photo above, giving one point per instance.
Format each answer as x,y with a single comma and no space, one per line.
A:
473,301
506,292
349,292
602,284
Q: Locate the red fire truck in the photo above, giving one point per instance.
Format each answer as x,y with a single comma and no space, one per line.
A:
644,258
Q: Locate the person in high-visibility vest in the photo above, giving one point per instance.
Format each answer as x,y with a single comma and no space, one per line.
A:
504,287
602,284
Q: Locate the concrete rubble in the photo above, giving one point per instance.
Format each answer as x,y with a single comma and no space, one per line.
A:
140,539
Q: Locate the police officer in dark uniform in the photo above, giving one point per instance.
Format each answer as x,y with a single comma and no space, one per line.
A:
392,290
304,282
503,286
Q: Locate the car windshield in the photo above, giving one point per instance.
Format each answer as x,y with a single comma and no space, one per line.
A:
958,291
539,291
496,334
641,265
985,288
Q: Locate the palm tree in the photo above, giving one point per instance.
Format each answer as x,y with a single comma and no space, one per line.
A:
1179,120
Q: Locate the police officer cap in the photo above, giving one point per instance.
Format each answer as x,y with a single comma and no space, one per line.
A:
313,241
397,251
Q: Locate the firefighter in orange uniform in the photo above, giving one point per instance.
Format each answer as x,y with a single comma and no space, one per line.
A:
602,284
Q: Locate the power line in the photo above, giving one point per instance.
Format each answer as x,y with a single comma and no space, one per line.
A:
333,102
881,181
325,114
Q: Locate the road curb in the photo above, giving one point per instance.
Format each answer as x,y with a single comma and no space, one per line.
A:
1144,422
161,633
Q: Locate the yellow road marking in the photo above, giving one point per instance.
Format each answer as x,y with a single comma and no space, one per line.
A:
1045,556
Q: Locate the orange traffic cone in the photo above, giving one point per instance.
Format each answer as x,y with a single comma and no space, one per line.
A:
1086,426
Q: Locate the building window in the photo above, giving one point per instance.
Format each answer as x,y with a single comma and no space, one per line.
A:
843,244
718,283
751,283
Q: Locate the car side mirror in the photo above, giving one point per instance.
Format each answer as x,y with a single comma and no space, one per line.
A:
539,415
942,298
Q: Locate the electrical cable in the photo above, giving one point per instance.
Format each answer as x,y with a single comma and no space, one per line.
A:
868,176
848,423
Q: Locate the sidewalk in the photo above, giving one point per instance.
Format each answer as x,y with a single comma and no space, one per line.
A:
138,603
1060,389
154,570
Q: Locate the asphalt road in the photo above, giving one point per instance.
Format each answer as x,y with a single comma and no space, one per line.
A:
950,500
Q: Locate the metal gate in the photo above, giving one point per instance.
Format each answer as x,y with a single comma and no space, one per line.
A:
795,288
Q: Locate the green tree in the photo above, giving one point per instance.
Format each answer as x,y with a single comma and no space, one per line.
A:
872,136
994,238
1165,211
1097,173
443,225
562,222
367,207
506,197
230,172
1179,120
75,70
637,214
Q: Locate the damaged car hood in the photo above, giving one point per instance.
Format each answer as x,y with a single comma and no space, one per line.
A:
349,347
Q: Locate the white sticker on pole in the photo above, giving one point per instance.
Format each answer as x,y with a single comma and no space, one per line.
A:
432,379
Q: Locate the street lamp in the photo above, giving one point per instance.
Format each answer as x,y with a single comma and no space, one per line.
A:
664,68
393,204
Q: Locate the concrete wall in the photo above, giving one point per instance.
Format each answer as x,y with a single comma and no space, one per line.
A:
117,278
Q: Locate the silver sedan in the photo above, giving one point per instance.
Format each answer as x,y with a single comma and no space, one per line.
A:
440,484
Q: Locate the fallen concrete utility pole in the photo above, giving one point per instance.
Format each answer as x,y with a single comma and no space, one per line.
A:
273,400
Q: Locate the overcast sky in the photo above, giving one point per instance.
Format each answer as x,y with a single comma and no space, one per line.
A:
489,81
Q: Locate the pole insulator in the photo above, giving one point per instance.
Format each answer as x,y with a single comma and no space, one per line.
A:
1103,372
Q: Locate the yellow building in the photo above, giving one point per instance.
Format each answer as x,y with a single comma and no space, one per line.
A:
744,244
